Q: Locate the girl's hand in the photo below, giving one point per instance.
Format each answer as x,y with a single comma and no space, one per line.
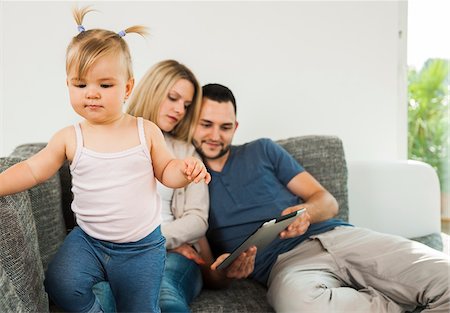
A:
195,170
241,267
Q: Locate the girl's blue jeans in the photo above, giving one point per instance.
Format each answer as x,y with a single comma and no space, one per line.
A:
134,271
182,282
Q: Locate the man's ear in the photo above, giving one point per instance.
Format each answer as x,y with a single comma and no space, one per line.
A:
67,81
236,125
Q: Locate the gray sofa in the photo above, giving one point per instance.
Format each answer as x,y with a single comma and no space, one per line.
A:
34,224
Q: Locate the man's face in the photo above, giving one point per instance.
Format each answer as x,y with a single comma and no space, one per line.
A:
215,129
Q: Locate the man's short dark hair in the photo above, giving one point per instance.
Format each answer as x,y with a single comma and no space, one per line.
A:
219,93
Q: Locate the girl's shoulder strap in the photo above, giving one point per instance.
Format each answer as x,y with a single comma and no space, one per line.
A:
79,135
140,124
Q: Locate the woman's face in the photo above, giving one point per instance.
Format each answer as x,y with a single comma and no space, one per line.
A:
174,106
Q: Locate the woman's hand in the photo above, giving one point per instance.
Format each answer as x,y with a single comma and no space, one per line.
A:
189,252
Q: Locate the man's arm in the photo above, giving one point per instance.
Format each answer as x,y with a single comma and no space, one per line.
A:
319,203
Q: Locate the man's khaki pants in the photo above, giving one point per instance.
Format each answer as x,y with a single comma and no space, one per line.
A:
352,269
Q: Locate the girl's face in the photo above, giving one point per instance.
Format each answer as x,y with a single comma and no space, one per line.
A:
99,96
173,108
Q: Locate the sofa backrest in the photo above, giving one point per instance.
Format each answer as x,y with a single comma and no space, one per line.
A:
323,157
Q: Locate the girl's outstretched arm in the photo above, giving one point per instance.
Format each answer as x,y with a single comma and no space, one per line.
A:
37,168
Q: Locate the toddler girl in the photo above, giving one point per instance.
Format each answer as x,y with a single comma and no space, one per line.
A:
115,158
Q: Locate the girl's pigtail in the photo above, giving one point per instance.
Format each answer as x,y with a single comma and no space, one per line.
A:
78,15
141,30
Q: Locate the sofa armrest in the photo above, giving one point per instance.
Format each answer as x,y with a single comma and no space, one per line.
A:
400,197
19,253
20,258
9,300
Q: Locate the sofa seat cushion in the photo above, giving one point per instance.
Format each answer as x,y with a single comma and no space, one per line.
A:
241,296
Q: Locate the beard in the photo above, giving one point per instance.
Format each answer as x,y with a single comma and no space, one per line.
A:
200,151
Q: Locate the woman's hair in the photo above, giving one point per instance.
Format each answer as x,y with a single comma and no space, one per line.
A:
90,45
154,87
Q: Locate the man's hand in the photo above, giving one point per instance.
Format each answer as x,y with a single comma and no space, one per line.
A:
299,226
241,267
190,253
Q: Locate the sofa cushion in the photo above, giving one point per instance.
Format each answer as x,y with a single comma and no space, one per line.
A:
433,240
19,253
323,157
26,150
242,296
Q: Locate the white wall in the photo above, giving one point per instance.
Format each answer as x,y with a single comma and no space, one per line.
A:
296,68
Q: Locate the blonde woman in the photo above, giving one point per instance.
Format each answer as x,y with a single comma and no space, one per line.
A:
169,95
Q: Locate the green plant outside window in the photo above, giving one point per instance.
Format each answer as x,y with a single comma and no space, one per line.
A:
428,117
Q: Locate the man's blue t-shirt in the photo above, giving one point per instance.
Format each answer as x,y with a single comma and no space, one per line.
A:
250,189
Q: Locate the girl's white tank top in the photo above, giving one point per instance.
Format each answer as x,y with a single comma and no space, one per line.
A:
115,197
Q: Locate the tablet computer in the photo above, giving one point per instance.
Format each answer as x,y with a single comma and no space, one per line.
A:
263,236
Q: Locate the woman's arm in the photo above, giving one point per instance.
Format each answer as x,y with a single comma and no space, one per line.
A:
190,205
190,209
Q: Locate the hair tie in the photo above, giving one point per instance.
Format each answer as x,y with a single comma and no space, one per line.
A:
81,28
122,33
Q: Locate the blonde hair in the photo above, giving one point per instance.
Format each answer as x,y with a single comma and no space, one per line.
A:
154,87
90,45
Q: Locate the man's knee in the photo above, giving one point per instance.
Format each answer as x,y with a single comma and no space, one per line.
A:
312,297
